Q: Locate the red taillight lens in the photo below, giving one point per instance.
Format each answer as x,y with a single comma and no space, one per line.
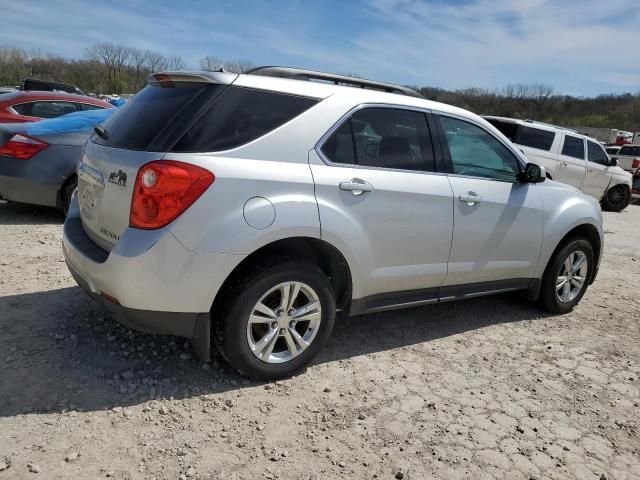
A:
163,190
22,147
636,163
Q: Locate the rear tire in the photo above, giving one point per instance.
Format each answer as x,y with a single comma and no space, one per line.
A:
264,330
67,193
617,198
567,276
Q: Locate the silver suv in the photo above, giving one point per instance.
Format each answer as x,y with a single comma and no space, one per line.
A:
243,211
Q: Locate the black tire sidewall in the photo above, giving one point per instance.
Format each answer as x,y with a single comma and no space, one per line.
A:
230,332
67,194
607,205
548,290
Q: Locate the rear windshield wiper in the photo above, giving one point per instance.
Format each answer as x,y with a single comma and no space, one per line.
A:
101,132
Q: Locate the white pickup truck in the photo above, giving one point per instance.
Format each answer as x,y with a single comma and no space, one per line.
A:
571,158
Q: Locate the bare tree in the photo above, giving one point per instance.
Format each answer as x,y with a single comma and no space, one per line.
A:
175,62
138,63
210,64
113,58
156,62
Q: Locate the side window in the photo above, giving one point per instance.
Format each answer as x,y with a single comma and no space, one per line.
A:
239,116
597,154
476,153
534,138
339,147
88,106
52,109
383,138
573,147
23,109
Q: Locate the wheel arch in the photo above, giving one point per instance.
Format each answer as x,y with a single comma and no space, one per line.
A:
330,260
590,233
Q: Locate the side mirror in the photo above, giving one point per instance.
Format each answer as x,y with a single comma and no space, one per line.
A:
613,162
532,174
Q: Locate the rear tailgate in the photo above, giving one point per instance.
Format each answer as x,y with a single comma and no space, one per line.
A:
105,185
140,132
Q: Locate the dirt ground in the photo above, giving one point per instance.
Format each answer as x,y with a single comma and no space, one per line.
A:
486,388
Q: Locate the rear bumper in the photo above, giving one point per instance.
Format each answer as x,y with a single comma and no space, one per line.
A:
149,281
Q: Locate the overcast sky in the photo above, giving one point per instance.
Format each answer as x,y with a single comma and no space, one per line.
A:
583,47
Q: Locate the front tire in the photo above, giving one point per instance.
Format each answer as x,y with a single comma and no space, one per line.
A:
617,198
567,276
279,318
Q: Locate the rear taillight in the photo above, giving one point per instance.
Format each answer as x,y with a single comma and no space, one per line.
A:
163,190
22,147
636,163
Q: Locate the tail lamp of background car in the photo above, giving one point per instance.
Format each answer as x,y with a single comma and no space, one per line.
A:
163,190
636,163
22,147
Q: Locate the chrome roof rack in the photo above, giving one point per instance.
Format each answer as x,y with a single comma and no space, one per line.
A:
311,75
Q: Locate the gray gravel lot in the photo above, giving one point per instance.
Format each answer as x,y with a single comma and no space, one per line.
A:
486,388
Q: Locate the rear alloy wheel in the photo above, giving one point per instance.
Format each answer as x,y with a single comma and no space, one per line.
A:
567,276
617,198
278,320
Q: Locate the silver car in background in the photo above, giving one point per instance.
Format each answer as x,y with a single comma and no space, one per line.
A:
243,211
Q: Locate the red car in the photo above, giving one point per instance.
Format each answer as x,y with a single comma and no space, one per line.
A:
22,107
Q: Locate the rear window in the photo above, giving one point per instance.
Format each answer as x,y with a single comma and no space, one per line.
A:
630,150
534,138
239,116
196,117
523,135
145,116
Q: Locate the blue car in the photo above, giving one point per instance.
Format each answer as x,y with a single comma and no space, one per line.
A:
38,160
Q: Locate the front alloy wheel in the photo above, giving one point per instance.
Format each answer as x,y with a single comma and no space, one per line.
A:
284,322
572,276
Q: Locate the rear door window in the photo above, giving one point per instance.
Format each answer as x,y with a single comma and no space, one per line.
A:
534,137
631,151
597,154
573,147
88,106
383,138
239,116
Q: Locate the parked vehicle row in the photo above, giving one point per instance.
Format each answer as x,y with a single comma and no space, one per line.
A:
38,160
243,211
571,158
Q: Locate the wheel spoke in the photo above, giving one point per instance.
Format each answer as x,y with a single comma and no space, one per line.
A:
293,295
265,346
578,263
298,338
253,319
562,279
302,312
566,291
262,308
577,281
285,290
291,346
568,262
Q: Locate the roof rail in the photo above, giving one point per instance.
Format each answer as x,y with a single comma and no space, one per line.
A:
311,75
552,125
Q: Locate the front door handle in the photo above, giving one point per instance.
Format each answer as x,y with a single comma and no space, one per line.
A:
470,198
564,164
356,186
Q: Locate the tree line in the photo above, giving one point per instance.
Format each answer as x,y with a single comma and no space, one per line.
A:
116,68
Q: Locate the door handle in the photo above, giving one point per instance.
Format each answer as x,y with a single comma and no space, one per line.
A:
356,186
564,164
589,169
470,198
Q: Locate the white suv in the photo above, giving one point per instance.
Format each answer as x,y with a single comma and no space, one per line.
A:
571,158
246,209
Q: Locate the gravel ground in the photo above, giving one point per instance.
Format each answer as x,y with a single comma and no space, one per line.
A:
486,388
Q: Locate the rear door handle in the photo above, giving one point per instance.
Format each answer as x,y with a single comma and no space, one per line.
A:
356,186
470,198
564,164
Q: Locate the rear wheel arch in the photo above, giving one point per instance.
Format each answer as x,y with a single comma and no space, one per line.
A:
318,252
63,193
